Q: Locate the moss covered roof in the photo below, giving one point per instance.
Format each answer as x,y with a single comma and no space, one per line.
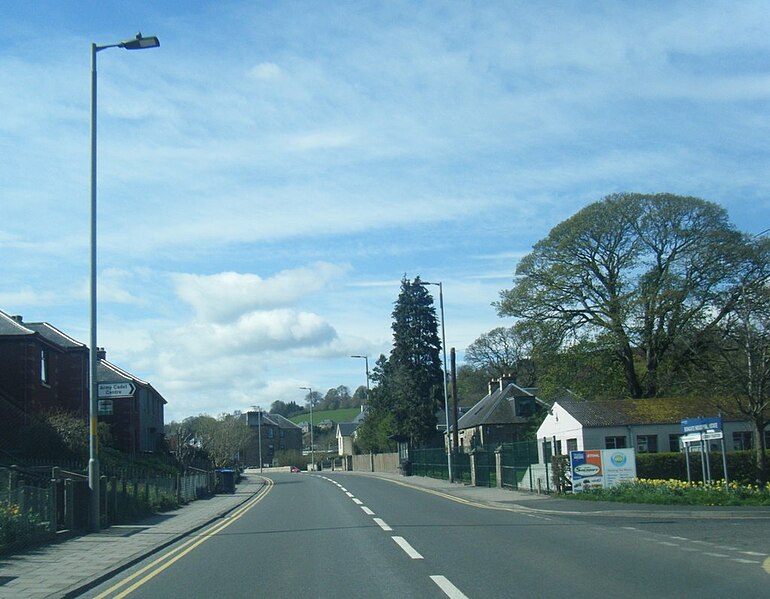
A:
648,411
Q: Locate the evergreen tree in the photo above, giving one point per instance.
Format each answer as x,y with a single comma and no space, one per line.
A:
409,384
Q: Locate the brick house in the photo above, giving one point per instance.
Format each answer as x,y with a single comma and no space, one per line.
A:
131,406
41,370
276,433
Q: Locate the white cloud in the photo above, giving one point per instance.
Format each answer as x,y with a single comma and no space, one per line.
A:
228,295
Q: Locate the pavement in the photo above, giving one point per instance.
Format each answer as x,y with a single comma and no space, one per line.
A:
73,566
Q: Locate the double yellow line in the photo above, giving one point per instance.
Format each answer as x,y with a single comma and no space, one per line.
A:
151,570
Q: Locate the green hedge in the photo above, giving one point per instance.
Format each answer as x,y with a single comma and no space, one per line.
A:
665,466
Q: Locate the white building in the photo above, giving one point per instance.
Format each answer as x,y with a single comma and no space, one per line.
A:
647,425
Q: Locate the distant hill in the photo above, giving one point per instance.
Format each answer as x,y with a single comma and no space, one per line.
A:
343,415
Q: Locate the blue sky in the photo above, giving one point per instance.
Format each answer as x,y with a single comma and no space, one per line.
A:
268,175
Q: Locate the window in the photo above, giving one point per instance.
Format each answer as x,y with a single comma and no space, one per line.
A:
647,443
44,366
270,433
547,451
742,440
558,447
614,442
673,443
571,445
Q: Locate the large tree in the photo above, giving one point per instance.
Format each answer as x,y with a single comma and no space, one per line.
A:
409,384
649,271
503,351
737,362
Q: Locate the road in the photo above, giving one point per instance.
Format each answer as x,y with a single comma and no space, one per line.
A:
346,535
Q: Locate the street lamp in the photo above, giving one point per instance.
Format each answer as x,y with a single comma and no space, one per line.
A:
446,397
312,448
258,410
138,43
367,378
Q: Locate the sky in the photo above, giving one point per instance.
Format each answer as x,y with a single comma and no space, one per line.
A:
268,175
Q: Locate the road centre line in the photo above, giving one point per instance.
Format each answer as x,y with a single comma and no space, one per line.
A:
381,523
449,589
367,511
357,501
349,494
408,549
156,567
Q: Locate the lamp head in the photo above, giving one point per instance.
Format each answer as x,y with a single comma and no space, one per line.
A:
140,43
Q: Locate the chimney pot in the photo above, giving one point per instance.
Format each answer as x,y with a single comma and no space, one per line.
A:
101,353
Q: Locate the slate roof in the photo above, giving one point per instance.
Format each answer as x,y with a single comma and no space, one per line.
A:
54,335
622,412
346,429
495,408
279,421
107,372
10,327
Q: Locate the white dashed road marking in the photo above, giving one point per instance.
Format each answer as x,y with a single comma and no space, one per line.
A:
408,549
449,589
381,523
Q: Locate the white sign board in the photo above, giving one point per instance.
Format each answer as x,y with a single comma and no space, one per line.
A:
116,389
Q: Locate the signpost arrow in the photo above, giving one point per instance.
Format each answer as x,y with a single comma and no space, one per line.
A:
116,389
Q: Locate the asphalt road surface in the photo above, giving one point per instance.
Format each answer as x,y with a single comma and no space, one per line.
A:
345,535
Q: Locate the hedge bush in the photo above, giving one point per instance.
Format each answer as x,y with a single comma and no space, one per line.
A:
668,466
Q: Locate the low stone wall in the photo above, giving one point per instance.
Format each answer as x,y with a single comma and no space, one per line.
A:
377,462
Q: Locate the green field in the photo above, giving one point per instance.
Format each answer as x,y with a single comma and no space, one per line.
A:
344,415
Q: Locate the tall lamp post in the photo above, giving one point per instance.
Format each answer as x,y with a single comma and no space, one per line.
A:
443,367
312,447
138,43
367,378
258,410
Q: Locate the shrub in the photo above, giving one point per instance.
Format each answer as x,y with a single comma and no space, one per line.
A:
15,524
677,492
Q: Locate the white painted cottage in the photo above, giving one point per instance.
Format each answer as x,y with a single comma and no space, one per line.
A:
647,425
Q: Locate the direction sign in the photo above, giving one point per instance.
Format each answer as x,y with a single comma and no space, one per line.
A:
695,425
116,389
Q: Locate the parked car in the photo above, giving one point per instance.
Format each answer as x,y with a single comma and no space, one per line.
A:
294,469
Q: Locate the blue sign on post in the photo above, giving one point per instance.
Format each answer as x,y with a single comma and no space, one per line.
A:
696,425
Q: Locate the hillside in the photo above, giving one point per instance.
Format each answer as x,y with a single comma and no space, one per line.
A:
343,415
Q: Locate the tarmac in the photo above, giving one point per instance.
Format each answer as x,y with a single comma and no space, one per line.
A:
73,566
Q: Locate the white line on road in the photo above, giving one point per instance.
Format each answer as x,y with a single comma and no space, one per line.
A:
381,523
740,560
343,489
349,494
367,511
408,549
449,589
357,501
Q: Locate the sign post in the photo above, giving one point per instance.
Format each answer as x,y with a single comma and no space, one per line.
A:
702,430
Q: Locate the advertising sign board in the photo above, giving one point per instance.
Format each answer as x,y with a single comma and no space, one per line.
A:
601,468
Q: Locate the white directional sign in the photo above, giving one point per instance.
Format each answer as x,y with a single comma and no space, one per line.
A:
116,389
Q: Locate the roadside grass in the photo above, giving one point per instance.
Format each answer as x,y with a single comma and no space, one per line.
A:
677,492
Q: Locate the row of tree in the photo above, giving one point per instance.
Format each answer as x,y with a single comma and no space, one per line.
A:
634,296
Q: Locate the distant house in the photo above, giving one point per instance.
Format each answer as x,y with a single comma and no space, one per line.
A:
502,416
346,433
276,434
325,425
647,425
131,406
41,370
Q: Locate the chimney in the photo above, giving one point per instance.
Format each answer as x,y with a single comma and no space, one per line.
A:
101,353
17,318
